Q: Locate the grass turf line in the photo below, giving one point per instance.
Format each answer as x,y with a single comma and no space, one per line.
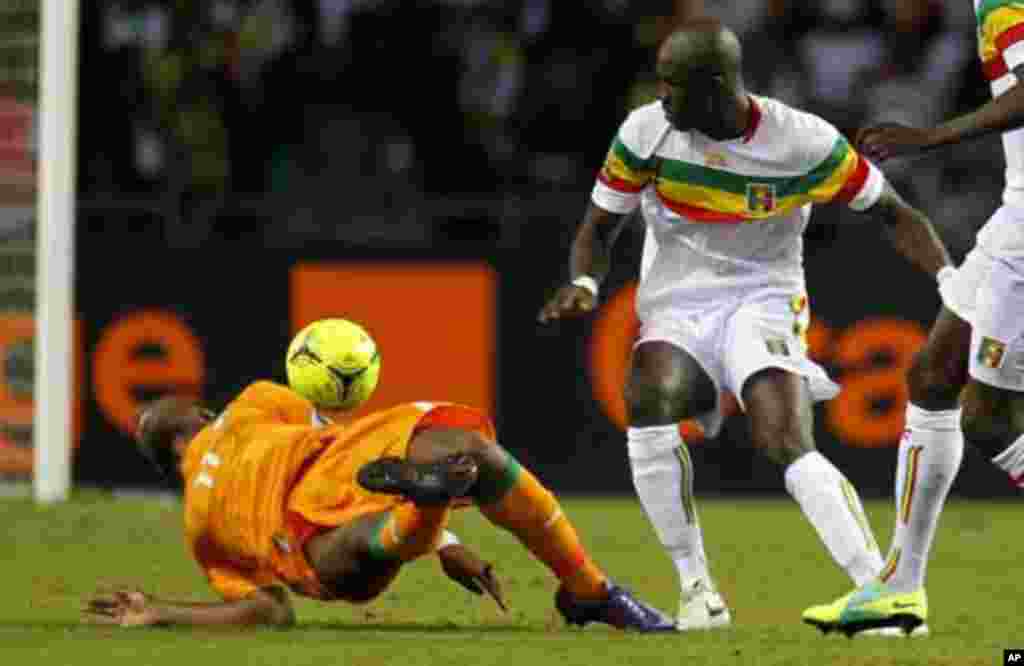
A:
765,557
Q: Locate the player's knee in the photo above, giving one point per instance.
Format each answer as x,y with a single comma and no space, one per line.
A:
987,424
933,382
782,440
486,452
654,401
436,444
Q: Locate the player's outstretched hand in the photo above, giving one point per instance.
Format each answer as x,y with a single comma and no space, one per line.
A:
568,301
127,608
464,567
880,142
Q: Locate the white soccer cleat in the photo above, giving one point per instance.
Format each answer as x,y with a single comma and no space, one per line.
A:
700,607
920,631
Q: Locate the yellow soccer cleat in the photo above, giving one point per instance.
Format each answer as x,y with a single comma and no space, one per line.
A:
872,606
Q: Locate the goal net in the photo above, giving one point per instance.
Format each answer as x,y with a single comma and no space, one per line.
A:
19,56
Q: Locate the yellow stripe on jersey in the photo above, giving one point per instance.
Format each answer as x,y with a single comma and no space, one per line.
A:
998,22
624,171
713,195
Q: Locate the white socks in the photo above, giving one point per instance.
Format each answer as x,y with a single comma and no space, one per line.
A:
1011,461
929,458
663,476
832,506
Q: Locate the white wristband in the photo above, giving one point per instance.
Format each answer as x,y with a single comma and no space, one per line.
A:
944,274
587,282
448,539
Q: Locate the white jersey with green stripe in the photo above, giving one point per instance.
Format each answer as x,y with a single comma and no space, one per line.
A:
727,214
1001,49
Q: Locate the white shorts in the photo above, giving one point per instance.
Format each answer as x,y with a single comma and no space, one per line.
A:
738,337
987,291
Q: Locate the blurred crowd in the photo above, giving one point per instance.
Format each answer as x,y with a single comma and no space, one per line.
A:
379,118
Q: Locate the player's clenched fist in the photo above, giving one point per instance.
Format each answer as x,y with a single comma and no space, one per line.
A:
569,301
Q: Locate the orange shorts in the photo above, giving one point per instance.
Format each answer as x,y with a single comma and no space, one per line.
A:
327,494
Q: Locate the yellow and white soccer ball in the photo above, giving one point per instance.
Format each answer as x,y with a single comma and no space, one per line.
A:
333,363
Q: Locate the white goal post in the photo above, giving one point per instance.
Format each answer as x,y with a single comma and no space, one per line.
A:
55,231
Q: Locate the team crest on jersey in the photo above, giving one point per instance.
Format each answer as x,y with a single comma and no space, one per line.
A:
760,197
991,352
714,159
776,346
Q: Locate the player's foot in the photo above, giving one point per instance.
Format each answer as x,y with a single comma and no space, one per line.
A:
700,607
423,483
920,631
872,606
620,609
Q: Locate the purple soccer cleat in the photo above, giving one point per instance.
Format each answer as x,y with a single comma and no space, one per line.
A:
621,610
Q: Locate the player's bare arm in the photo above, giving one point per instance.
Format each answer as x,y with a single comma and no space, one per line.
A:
910,232
589,260
1001,114
132,608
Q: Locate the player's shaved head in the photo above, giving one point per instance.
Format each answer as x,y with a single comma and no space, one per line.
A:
163,425
703,46
700,67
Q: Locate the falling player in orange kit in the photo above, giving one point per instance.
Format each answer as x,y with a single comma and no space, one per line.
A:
275,495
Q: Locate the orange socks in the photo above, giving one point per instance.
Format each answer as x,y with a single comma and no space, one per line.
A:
408,532
526,508
514,500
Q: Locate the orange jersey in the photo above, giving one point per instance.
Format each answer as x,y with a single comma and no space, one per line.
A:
260,480
237,472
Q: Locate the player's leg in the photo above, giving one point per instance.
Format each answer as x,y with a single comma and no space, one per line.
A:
993,421
511,497
930,453
778,405
409,530
667,385
767,367
930,450
929,456
358,560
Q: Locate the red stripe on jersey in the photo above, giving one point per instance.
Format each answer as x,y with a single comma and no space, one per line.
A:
1010,37
853,185
753,120
994,68
700,214
618,183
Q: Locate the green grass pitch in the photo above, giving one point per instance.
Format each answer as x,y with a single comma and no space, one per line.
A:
766,558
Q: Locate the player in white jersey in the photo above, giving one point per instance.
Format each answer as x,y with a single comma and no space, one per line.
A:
725,182
968,380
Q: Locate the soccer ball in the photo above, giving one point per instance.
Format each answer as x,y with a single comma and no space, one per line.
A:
333,363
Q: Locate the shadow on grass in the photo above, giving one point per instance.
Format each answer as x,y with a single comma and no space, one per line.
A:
7,626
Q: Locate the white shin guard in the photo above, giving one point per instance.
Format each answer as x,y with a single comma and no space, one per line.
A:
832,506
663,477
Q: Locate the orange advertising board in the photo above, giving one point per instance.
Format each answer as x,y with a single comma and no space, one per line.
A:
434,323
17,408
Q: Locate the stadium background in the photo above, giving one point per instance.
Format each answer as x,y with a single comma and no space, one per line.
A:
421,167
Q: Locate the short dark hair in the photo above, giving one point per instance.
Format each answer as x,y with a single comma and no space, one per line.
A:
160,423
